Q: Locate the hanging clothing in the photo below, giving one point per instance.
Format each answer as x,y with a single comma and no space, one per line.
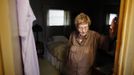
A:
29,54
81,55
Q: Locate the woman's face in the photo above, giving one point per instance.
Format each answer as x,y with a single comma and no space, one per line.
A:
83,29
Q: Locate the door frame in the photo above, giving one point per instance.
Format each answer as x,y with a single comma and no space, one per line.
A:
125,24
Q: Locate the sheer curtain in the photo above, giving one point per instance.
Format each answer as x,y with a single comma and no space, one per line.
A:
29,54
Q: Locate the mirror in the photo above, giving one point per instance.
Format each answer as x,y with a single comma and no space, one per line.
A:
52,40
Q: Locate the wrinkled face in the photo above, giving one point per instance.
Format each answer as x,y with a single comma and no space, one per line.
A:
83,29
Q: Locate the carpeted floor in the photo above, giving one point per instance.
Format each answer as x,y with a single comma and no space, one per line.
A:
46,68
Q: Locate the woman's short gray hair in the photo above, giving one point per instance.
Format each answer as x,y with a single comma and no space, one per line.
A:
82,19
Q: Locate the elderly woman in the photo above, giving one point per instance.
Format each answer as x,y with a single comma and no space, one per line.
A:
82,47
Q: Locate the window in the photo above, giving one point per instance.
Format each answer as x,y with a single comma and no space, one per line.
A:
109,18
58,18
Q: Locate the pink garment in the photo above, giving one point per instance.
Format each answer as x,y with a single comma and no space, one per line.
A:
29,54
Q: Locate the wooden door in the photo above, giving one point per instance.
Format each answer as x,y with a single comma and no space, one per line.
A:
1,65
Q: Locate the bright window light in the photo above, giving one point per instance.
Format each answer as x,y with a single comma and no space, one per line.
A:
58,18
110,17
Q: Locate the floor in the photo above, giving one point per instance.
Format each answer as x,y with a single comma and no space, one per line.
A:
46,68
